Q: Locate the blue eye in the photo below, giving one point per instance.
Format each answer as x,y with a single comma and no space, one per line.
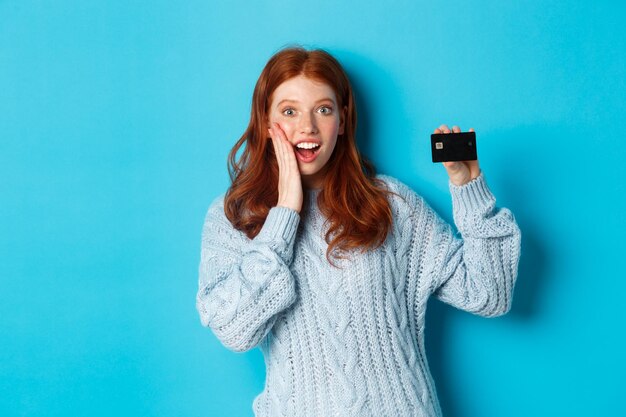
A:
288,112
326,110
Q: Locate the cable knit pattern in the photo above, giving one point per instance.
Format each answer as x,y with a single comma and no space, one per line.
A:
350,341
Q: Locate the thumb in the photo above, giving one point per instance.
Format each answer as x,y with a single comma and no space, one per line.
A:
452,166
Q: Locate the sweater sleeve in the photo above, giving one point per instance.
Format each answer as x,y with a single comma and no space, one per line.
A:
244,283
476,272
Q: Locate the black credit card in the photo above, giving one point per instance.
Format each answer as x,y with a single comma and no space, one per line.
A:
453,146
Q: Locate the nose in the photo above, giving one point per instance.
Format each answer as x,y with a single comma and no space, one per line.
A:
307,124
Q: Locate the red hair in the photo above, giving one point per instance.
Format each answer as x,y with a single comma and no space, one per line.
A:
352,199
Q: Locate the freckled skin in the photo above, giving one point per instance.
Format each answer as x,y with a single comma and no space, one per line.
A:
301,108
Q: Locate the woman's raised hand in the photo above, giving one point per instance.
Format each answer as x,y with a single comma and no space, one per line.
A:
460,172
289,182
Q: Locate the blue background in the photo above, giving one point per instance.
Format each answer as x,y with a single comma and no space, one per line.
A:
115,121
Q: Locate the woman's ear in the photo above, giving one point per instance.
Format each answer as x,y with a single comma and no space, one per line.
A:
342,120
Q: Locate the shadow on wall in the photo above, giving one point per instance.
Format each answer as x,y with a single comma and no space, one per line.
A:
513,192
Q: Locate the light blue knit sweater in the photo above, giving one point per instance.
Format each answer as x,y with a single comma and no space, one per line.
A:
350,341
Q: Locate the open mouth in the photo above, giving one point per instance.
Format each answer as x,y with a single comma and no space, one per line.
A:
307,153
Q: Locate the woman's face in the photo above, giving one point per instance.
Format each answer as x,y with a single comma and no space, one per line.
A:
308,113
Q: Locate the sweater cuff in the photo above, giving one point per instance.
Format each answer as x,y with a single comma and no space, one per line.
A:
474,196
281,223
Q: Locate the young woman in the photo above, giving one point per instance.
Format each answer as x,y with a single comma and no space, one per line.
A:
328,267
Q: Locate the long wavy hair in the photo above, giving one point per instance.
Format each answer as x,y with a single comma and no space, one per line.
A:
353,201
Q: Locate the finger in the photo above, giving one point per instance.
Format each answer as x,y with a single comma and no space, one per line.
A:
288,153
444,129
282,137
456,129
279,136
278,149
452,166
279,130
471,129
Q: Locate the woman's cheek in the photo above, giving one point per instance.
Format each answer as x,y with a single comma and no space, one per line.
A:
288,128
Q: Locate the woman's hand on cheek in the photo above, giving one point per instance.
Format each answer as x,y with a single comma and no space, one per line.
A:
461,172
289,182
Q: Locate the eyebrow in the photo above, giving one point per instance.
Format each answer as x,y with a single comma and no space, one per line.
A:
296,101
